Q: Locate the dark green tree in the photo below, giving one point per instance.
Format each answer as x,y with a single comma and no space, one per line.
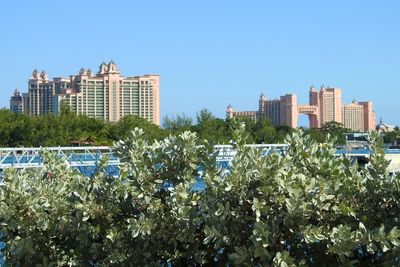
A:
180,122
210,128
264,132
123,128
336,130
391,137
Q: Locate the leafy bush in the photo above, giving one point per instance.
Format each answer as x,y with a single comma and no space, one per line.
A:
304,208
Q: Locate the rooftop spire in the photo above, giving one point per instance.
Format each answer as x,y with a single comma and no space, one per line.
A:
35,74
112,67
43,75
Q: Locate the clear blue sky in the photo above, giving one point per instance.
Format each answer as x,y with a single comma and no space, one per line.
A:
212,53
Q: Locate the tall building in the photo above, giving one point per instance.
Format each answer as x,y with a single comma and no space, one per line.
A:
289,110
353,116
270,109
26,103
106,95
325,105
277,111
16,102
41,92
328,101
369,115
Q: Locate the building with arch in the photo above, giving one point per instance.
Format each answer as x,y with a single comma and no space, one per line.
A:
325,105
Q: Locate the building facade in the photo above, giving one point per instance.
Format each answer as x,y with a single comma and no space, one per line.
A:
325,105
17,103
40,93
369,115
106,95
328,103
252,115
277,111
25,102
270,109
353,116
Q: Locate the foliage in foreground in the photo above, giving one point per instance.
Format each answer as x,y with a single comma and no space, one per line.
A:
303,208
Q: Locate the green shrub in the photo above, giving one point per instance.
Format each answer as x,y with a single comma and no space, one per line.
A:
304,208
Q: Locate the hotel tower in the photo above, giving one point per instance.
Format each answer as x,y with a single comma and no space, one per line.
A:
106,95
325,105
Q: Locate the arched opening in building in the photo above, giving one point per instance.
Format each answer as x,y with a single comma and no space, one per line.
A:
311,112
303,121
306,120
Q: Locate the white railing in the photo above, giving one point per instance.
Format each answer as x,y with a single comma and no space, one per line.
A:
227,152
22,158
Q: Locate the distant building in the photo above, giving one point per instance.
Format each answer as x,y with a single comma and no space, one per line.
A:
384,128
329,106
288,110
252,115
26,103
353,116
16,102
106,95
324,106
41,92
369,115
278,111
270,109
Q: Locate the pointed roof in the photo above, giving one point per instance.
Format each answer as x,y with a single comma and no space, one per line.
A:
43,75
102,68
112,67
35,73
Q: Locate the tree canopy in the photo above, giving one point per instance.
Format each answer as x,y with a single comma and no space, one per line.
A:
18,130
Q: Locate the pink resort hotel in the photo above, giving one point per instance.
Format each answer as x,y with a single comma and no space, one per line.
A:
105,95
325,105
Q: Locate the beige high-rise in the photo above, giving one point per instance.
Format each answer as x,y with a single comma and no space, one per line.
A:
40,93
353,116
106,95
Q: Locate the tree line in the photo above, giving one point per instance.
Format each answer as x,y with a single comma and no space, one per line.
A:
19,130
